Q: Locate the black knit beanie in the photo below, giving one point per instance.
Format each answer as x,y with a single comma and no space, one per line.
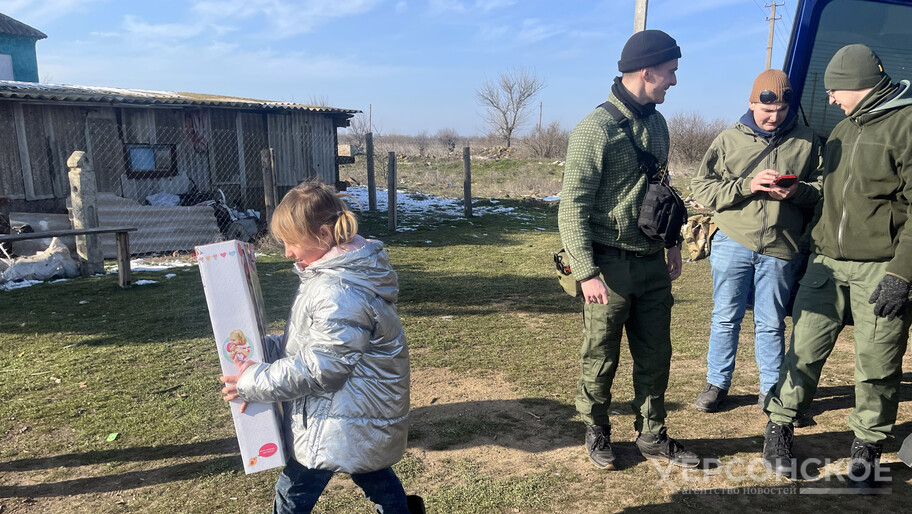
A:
648,48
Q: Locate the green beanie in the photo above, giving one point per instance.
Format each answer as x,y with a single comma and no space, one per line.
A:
853,67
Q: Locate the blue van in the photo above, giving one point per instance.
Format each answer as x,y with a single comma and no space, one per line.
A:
824,26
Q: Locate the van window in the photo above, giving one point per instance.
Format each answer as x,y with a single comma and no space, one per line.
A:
886,28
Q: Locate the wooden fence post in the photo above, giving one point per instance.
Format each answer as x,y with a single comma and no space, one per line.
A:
371,180
391,191
267,162
467,180
84,200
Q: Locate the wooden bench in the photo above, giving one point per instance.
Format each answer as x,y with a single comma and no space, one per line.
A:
122,234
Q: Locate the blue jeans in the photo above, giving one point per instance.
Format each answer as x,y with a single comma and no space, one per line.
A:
735,270
298,488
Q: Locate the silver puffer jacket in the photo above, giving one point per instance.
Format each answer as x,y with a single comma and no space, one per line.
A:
341,367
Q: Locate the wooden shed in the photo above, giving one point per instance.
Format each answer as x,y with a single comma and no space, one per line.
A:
145,144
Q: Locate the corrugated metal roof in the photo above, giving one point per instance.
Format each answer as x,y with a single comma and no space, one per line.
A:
17,28
79,94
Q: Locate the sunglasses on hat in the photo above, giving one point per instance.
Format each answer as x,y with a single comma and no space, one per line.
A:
770,97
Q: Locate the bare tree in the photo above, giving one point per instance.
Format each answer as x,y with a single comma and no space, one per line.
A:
357,128
422,140
449,138
548,142
507,99
319,101
690,136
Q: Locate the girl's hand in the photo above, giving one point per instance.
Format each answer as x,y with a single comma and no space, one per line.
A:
230,389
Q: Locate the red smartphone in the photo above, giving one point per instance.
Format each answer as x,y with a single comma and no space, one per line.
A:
785,180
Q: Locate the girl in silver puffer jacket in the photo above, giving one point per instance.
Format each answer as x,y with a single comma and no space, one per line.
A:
341,368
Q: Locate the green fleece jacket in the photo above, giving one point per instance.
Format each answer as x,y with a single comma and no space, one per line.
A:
603,189
754,220
867,183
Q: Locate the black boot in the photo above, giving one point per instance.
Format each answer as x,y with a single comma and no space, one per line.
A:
415,504
777,449
661,447
710,398
598,445
864,468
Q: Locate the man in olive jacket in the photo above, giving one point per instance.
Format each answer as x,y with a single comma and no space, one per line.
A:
862,246
760,223
625,280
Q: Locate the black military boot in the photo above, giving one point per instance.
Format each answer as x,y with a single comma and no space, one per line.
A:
864,467
661,447
598,445
710,398
777,449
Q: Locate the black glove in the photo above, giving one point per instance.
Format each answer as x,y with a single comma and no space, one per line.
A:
890,297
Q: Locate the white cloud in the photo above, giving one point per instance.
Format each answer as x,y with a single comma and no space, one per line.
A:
135,27
446,5
44,11
284,18
217,68
671,9
401,7
493,32
534,30
488,5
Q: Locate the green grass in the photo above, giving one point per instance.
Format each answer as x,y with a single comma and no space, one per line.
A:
82,359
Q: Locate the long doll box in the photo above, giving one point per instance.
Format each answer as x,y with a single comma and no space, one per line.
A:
236,311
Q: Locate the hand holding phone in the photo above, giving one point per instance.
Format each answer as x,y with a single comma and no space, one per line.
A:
785,180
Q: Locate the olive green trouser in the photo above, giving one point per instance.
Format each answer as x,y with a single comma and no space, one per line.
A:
829,291
640,301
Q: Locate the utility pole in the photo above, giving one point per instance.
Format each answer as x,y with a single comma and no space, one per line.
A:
772,19
539,116
639,17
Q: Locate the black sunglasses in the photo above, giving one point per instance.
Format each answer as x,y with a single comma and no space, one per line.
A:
770,97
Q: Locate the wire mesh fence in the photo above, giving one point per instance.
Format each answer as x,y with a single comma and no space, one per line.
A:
181,179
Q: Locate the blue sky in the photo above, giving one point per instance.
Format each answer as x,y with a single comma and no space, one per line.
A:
417,63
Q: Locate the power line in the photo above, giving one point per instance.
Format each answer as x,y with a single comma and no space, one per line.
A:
772,30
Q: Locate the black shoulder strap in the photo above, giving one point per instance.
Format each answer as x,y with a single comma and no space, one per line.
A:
648,162
766,151
622,122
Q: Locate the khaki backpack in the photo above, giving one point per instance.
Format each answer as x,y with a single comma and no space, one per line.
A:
697,233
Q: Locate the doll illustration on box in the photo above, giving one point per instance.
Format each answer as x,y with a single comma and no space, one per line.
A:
237,348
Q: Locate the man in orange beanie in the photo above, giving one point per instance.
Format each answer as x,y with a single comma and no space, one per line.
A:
761,177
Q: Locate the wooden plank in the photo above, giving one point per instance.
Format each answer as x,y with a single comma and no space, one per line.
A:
24,160
63,233
106,150
11,185
269,186
124,273
242,166
40,160
210,150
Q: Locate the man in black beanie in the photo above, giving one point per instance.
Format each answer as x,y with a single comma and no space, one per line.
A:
862,244
625,280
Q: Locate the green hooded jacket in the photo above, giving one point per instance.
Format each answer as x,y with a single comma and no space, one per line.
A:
603,189
867,183
754,220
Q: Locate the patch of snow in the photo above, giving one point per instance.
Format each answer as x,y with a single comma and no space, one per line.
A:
552,198
142,265
419,204
9,286
170,275
144,282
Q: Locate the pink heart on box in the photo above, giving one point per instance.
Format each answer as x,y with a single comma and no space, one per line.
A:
223,254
